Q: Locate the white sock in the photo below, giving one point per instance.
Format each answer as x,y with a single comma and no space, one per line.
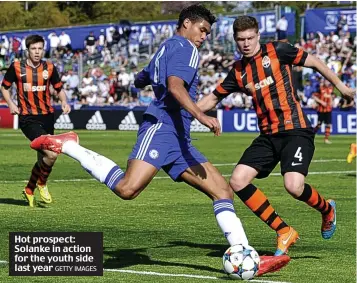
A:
96,165
229,223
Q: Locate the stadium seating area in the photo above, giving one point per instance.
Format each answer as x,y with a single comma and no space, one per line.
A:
111,62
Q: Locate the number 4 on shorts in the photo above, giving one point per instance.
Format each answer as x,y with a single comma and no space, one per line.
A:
298,154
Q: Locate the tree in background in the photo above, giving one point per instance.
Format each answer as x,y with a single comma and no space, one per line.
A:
9,11
47,14
31,14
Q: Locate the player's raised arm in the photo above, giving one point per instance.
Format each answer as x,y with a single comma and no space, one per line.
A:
290,54
313,62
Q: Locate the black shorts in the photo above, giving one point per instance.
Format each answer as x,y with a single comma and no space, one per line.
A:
294,151
324,117
34,126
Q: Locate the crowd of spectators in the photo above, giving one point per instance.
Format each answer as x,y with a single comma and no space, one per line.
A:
338,51
110,64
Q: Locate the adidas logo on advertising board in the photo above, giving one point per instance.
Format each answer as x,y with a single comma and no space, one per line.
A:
198,127
129,123
96,122
63,122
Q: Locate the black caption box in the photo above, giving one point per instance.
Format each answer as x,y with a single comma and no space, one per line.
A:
56,254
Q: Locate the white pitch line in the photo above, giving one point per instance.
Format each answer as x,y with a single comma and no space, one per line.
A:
313,161
171,274
167,177
183,275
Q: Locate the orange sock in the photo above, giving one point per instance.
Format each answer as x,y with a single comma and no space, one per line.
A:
327,132
260,205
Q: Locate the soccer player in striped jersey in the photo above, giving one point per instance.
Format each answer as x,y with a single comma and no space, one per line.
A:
163,140
286,135
33,77
324,108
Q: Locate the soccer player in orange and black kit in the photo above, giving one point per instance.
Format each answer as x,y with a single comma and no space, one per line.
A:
33,77
324,108
286,135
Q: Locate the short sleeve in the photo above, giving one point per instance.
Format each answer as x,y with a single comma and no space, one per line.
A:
183,62
142,79
289,54
10,77
229,85
56,80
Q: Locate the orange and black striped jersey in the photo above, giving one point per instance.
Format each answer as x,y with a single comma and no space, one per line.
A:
33,86
325,95
267,77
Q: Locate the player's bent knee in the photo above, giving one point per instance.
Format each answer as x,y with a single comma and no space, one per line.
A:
294,187
238,183
128,194
222,192
127,191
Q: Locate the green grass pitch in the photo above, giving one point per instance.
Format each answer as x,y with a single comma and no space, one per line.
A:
170,228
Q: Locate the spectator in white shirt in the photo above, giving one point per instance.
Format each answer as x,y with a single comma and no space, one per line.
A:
109,36
102,41
124,78
4,46
65,41
92,98
54,43
73,80
282,28
104,88
88,79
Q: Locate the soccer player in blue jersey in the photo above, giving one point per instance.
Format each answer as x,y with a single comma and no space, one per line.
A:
163,140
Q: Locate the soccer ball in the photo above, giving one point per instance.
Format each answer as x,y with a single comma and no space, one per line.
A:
241,262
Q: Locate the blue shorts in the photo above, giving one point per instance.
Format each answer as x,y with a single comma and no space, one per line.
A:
160,145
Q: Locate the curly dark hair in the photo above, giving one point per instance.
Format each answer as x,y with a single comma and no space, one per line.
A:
243,23
195,13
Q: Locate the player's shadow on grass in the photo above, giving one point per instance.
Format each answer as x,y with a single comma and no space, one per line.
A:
217,250
20,202
131,257
13,201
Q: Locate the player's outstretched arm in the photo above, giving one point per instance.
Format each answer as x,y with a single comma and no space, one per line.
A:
314,62
208,102
176,87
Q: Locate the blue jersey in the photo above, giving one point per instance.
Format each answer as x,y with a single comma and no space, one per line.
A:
176,57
